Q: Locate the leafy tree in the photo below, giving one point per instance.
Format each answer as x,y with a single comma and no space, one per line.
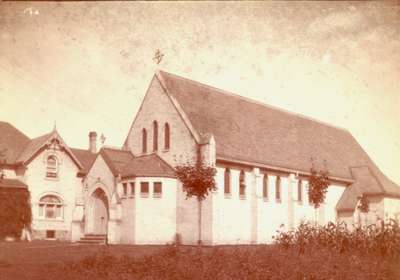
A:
15,208
364,204
318,186
198,180
2,160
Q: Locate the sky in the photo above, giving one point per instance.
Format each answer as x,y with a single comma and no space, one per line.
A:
87,65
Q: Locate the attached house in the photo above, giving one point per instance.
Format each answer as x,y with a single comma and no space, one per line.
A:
49,169
262,154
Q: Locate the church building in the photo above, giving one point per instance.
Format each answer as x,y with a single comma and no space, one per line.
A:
262,154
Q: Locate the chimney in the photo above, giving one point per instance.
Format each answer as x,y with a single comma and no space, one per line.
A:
93,142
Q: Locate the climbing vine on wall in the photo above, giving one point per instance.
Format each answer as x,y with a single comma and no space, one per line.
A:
318,186
15,211
364,204
197,179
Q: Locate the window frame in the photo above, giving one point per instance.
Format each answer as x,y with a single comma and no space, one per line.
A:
132,191
144,141
265,189
157,194
167,136
155,136
52,169
278,191
45,206
242,184
142,193
300,191
124,189
227,182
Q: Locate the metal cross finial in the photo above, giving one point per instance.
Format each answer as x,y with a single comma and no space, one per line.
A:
158,56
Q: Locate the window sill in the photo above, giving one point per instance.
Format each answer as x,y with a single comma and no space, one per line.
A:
132,196
228,195
144,195
278,200
157,195
50,220
299,202
265,199
52,178
242,197
165,150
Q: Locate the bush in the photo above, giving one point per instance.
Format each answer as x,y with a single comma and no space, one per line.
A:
15,212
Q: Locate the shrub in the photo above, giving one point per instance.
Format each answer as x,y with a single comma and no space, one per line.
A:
15,211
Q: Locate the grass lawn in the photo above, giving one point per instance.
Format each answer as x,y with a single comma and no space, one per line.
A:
34,260
44,260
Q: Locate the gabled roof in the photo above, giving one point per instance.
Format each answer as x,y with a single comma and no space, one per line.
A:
148,166
12,142
19,149
116,159
249,131
33,146
124,163
38,143
12,183
85,157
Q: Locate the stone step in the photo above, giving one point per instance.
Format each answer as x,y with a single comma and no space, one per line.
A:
92,242
93,239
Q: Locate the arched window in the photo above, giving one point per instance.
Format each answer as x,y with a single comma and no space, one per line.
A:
51,167
265,186
299,191
50,207
278,189
242,184
227,181
144,140
166,136
155,136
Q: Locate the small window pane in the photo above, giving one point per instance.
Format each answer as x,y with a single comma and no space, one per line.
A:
58,211
278,188
125,189
242,184
144,188
132,188
227,181
50,233
50,213
157,189
41,206
299,191
265,186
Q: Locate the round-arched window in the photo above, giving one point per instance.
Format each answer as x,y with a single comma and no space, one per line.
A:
50,207
52,167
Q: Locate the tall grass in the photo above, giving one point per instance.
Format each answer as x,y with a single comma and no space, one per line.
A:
380,240
310,252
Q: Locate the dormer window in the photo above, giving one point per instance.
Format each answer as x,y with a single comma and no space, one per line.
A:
52,167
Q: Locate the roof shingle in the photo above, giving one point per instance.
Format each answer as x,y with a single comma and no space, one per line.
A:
12,142
123,163
250,131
